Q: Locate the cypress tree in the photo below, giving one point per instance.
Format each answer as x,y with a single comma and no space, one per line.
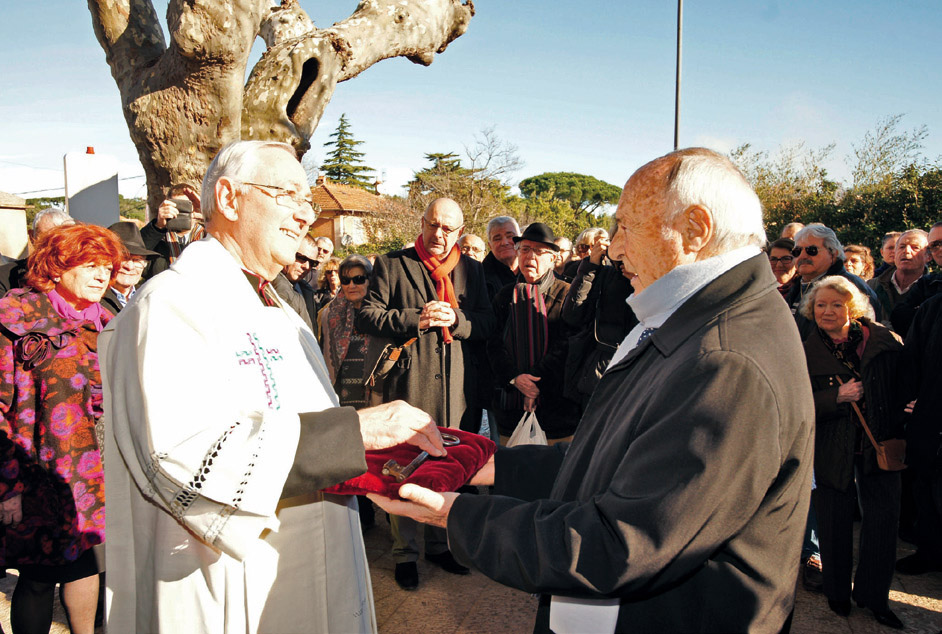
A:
343,161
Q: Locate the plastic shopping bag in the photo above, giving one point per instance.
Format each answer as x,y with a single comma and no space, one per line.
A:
528,432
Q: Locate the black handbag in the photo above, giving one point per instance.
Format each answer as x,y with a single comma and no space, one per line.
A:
386,361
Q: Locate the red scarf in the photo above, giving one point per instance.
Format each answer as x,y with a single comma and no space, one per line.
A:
441,275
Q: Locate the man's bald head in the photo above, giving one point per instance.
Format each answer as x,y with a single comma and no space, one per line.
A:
682,207
446,207
472,246
441,225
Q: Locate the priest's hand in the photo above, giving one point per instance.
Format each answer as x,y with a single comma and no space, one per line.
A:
421,504
389,424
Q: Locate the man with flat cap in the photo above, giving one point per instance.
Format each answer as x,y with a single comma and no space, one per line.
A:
124,284
528,353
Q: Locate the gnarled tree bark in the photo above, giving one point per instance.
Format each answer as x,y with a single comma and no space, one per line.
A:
185,100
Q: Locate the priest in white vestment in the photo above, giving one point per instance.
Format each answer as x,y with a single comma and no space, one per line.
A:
222,427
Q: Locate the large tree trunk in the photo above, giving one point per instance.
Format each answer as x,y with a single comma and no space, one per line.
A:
184,101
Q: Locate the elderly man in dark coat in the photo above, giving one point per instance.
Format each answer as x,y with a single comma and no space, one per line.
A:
528,354
921,379
435,298
680,505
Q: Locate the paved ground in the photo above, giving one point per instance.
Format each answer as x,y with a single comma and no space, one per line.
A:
445,604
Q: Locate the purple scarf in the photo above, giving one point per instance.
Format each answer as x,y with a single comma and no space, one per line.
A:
93,313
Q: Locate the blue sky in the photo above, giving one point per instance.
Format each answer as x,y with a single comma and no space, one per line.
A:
585,87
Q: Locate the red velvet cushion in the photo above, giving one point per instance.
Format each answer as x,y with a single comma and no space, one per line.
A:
439,474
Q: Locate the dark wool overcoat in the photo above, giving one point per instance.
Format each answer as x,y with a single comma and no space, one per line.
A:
557,415
920,377
685,492
838,435
431,375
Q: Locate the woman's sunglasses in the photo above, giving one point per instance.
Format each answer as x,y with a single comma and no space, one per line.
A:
356,279
811,251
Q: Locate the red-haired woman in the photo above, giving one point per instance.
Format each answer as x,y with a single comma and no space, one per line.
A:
52,497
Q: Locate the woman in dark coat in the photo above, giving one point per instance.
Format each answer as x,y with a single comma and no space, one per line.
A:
528,353
51,479
345,347
852,360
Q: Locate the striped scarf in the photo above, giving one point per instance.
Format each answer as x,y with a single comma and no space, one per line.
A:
176,247
526,334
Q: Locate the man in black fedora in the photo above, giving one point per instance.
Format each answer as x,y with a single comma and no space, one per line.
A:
528,353
129,275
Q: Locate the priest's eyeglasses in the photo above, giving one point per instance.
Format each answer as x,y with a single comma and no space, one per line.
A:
286,198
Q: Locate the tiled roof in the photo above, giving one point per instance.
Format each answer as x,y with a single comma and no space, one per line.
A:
340,198
11,200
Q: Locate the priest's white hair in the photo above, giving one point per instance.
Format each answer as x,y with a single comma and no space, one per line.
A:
239,161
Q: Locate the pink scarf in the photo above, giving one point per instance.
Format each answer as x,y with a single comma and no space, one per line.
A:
94,313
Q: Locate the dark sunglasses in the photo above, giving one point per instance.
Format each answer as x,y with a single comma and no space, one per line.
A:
785,259
356,279
811,251
303,258
934,245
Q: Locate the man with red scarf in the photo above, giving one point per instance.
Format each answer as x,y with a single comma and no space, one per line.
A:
438,297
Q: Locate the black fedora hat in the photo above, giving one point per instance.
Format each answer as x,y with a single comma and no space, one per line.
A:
131,237
539,232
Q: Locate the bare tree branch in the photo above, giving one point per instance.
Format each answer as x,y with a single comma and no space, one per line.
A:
186,99
291,85
285,22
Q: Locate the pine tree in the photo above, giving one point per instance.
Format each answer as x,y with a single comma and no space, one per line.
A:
343,161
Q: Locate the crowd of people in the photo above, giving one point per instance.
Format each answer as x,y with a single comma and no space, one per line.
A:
248,369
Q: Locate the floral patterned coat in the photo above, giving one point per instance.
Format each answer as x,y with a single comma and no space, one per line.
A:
50,398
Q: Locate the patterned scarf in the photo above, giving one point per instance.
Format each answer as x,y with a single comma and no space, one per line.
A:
526,335
94,313
440,271
849,350
340,316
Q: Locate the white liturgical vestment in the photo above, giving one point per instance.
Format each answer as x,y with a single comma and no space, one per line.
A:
203,387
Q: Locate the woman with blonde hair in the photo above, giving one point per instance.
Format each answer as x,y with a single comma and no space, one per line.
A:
328,283
852,364
858,261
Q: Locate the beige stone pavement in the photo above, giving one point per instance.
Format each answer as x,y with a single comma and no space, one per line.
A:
445,603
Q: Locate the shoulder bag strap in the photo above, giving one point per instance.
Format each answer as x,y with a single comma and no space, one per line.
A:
860,415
